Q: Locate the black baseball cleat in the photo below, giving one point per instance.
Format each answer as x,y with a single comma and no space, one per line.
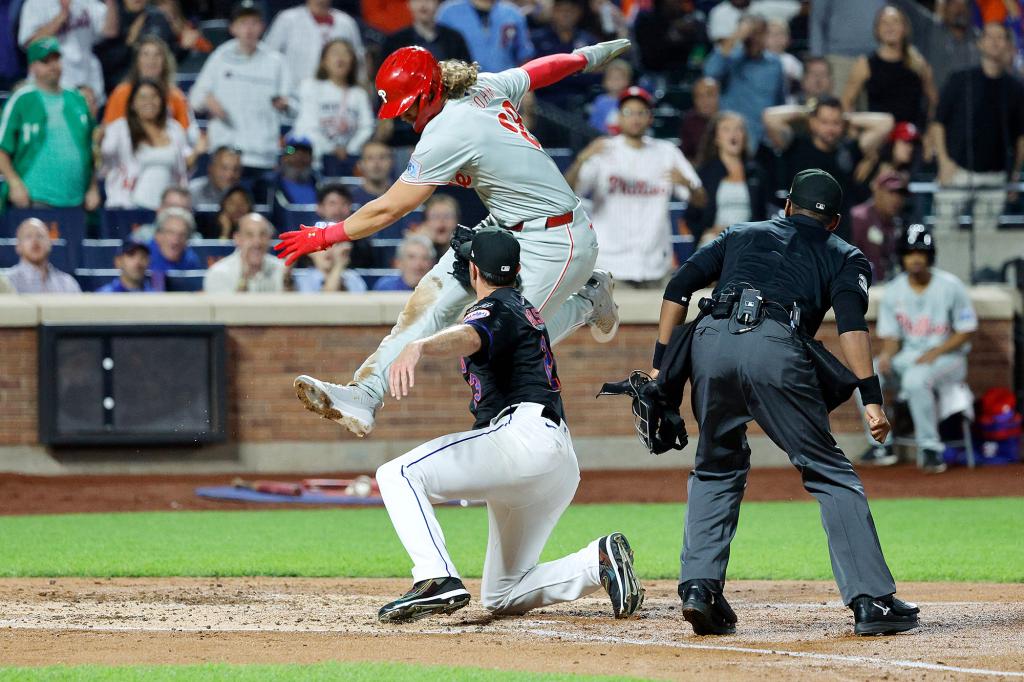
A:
427,597
706,611
932,462
615,564
883,615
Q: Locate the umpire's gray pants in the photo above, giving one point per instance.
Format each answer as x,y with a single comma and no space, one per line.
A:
765,375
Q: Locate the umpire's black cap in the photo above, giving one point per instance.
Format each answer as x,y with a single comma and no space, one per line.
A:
494,250
816,190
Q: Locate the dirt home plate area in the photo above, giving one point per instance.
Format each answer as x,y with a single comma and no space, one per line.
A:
787,630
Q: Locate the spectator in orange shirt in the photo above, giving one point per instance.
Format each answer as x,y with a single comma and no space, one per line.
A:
153,61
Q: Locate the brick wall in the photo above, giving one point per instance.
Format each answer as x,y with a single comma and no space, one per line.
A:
262,361
18,381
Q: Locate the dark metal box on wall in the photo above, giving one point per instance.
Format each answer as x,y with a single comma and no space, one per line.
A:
132,384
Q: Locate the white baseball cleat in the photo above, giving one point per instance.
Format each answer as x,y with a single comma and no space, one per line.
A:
604,320
350,406
599,54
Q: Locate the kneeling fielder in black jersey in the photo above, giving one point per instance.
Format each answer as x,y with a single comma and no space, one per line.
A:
518,458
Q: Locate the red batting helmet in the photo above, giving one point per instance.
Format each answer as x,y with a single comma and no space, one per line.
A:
408,75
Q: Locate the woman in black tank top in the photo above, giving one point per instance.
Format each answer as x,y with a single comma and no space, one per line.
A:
896,78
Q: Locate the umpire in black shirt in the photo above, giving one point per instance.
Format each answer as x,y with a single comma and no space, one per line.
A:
776,279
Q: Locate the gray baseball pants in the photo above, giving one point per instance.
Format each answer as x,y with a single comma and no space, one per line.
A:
765,375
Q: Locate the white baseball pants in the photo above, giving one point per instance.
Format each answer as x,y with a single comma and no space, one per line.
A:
556,263
525,468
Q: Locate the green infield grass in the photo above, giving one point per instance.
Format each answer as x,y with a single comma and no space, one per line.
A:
350,672
924,539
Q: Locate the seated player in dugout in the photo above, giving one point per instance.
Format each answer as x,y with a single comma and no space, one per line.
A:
472,135
752,360
925,321
518,457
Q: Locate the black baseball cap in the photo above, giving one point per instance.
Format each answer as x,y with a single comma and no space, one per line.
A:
494,250
816,190
131,247
245,8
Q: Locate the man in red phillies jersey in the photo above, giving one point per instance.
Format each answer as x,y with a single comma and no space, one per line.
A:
473,136
631,178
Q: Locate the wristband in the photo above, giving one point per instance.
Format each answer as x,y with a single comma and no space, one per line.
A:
336,233
659,353
870,390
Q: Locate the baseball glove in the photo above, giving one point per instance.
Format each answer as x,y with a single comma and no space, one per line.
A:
658,426
460,269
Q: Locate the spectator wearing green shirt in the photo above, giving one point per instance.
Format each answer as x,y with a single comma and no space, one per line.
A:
46,139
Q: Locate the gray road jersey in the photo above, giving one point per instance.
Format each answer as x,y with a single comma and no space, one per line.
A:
924,321
480,141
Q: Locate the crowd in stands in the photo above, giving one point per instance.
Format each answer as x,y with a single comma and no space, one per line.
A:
161,145
233,122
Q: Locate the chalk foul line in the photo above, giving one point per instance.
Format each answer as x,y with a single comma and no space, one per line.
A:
831,658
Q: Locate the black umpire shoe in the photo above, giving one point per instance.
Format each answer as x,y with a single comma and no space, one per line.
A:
883,615
615,563
427,597
879,456
706,610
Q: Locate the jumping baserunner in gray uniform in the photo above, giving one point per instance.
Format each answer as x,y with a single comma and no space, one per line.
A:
474,137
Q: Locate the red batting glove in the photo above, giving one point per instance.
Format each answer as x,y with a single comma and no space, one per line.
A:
305,240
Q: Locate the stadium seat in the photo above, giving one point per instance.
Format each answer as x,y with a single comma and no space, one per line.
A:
119,223
183,280
289,216
371,275
666,122
333,166
679,96
682,247
58,254
682,244
562,156
91,279
471,209
384,251
186,79
99,253
64,223
212,250
206,217
8,256
397,230
216,31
